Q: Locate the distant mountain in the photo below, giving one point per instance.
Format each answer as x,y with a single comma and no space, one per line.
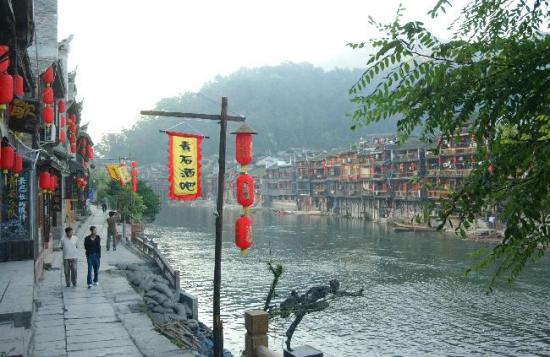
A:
290,105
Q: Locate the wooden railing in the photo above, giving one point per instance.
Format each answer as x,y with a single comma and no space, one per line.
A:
437,193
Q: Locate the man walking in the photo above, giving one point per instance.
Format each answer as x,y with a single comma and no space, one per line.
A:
111,230
70,255
93,255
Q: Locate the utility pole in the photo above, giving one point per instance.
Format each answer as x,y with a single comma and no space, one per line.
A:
223,118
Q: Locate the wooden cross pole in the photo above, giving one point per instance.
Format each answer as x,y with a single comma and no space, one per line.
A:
223,118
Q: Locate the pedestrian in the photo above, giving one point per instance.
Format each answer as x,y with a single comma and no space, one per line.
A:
92,244
70,255
104,207
111,230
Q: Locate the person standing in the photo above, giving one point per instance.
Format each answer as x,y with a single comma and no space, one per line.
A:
111,230
70,255
92,244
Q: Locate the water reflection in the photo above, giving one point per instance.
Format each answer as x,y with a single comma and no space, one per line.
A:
417,300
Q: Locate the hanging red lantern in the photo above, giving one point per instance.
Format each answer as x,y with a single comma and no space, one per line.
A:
6,88
72,139
243,144
245,190
90,150
47,116
44,181
18,165
4,58
490,169
8,158
73,147
83,151
243,234
134,164
18,85
47,95
62,120
73,118
61,136
52,183
47,76
60,106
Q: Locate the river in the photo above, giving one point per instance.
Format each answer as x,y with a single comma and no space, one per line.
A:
417,300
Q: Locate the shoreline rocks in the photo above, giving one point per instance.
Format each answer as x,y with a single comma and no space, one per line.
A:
170,316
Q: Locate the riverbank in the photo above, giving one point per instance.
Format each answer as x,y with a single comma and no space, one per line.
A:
108,319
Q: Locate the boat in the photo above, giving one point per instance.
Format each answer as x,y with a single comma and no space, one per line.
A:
402,227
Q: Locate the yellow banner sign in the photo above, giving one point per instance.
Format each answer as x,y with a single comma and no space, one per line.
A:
184,157
118,172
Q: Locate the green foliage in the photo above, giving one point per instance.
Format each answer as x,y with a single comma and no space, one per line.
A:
142,204
493,77
285,104
150,200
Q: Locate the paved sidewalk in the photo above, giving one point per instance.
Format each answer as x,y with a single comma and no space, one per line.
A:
106,320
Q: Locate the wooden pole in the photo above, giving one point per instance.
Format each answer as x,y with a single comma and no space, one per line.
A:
217,323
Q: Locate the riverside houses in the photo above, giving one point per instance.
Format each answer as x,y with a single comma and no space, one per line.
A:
41,124
378,180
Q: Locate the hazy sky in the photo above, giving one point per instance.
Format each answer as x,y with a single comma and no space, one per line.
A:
131,53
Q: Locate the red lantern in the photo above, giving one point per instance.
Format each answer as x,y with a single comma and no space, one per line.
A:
72,139
4,58
61,136
134,164
61,106
490,169
243,234
245,190
6,88
53,183
90,150
18,165
47,76
73,147
62,120
18,85
47,116
243,148
44,181
83,151
243,144
47,95
8,158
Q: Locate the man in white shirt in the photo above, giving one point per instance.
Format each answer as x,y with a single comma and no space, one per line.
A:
70,254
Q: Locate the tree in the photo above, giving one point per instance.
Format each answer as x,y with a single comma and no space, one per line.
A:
492,77
150,200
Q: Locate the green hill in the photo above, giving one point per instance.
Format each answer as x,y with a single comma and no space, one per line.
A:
290,105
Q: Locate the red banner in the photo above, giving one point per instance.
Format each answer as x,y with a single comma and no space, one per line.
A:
184,164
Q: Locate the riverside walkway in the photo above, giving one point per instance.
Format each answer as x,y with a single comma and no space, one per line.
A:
106,320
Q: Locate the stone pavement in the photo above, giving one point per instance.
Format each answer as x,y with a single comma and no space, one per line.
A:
16,303
106,320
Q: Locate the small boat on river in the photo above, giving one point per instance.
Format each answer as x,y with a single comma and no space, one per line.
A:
402,227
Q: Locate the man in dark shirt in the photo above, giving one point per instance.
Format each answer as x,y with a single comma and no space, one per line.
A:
93,255
111,230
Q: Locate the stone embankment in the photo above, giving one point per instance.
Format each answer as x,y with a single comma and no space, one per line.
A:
170,315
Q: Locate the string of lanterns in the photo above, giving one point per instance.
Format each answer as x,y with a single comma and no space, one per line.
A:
245,188
134,176
47,96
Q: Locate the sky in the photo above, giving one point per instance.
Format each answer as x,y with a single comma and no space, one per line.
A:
131,53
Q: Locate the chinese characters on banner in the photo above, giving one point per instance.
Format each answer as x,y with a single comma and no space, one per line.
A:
118,172
184,163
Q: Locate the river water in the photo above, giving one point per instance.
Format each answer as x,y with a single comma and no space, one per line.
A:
416,301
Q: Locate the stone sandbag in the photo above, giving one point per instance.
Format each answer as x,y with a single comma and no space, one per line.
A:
163,288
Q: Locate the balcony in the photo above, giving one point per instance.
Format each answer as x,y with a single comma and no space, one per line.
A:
448,172
407,194
406,157
435,194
